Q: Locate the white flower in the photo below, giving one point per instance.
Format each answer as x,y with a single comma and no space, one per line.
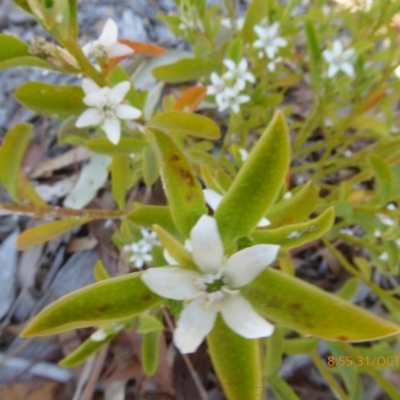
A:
268,38
339,59
218,85
106,108
140,255
228,23
271,65
214,289
150,239
107,45
231,99
238,73
99,335
244,155
384,256
288,195
213,199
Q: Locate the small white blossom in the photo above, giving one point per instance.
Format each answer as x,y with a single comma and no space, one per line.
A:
384,256
214,289
213,199
150,239
218,85
339,59
140,255
98,336
231,99
288,195
268,38
238,73
107,45
228,24
244,155
271,65
106,108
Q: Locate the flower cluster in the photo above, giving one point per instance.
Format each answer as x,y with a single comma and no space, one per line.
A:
269,42
227,88
141,250
214,288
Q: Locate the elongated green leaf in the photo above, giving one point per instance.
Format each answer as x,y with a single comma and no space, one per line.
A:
237,363
314,51
273,359
235,50
57,100
150,215
184,193
148,323
299,346
294,209
151,169
125,145
151,352
257,184
188,69
312,311
23,4
175,249
119,167
99,271
281,388
26,61
114,299
45,232
180,122
258,9
383,175
84,351
296,235
12,47
11,155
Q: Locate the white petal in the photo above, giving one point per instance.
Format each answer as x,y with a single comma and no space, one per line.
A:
347,68
243,266
207,245
112,128
258,43
273,29
212,198
337,48
280,42
248,76
348,53
119,50
195,322
333,70
263,222
89,86
168,258
109,34
230,64
270,50
173,283
92,116
98,98
328,56
240,316
260,32
235,108
242,67
118,92
125,111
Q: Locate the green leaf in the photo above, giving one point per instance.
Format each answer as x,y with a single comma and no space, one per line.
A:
258,9
257,184
188,69
312,311
314,52
294,209
296,235
151,352
148,323
348,289
120,165
236,361
273,359
57,100
235,50
99,271
48,231
281,388
184,193
299,346
383,175
11,154
27,61
23,4
110,300
177,251
180,122
125,145
84,351
151,169
150,215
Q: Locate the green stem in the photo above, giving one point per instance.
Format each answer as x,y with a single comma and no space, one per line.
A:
328,376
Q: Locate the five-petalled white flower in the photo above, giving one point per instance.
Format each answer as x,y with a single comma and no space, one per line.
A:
213,199
140,254
214,289
106,108
339,59
238,73
107,45
268,38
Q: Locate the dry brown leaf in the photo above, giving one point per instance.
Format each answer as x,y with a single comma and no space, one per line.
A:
42,390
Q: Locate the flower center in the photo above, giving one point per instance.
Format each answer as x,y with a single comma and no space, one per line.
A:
215,286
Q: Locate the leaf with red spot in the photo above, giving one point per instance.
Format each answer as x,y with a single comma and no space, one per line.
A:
110,300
